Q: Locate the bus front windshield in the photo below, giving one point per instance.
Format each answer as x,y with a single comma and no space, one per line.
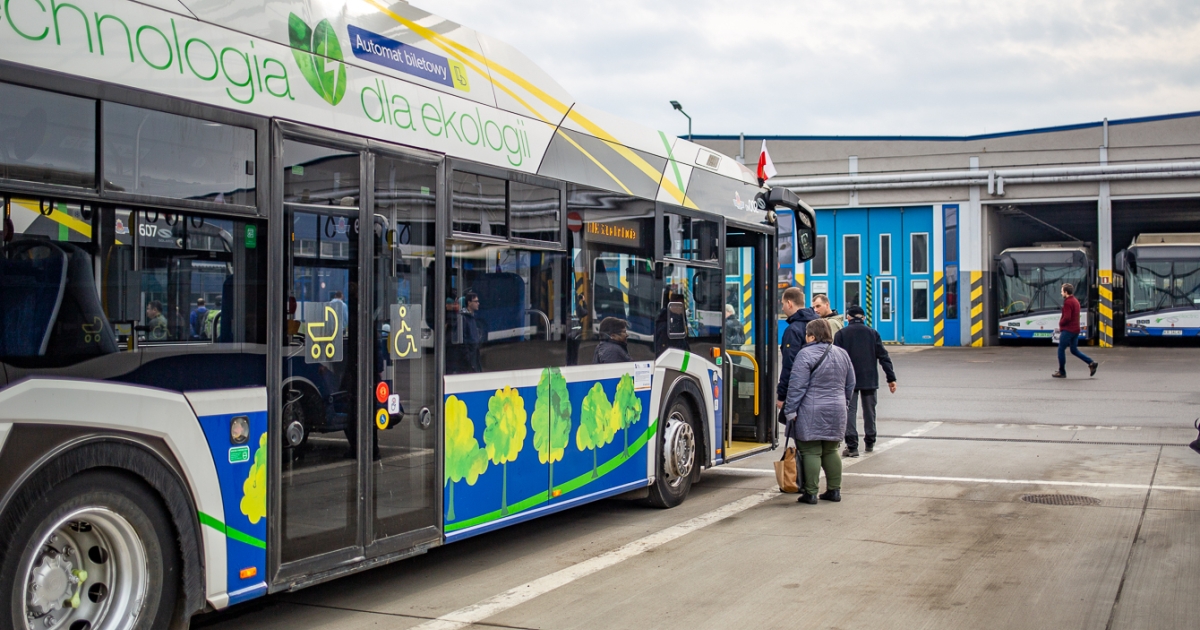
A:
1164,284
1035,288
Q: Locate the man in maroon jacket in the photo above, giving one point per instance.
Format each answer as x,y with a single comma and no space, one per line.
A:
1068,327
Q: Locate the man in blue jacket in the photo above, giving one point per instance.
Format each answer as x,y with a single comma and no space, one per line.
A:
792,304
867,352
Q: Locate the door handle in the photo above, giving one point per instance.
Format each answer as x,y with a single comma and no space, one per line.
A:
425,418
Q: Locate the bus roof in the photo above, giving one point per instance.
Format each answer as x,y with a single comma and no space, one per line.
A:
390,71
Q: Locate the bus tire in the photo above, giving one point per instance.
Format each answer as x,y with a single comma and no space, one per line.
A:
97,551
676,455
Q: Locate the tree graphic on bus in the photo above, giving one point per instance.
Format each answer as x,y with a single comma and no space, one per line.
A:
627,408
464,458
551,419
504,435
596,423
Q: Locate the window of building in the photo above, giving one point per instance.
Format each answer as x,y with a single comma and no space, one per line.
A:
950,214
920,252
820,262
164,155
852,294
920,300
47,138
885,254
851,256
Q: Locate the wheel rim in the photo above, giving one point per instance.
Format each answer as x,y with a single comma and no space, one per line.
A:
87,572
679,449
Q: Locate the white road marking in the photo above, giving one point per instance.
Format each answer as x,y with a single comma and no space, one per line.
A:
512,598
1034,482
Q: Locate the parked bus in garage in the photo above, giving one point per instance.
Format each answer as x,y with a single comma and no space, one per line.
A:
1162,285
1028,287
395,235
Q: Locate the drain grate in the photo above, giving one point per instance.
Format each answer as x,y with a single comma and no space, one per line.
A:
1060,499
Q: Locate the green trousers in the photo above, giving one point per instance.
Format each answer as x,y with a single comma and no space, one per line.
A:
815,455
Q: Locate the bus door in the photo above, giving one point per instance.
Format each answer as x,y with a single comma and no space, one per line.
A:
748,400
356,420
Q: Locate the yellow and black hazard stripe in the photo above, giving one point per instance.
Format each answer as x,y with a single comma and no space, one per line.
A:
939,309
977,309
870,301
1106,309
748,307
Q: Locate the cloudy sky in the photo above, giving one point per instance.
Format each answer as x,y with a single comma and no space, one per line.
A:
858,67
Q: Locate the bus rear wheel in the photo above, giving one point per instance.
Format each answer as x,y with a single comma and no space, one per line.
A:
676,456
97,553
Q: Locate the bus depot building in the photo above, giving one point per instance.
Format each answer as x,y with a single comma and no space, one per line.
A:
957,241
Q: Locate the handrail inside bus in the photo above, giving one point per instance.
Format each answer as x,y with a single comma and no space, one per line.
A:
739,353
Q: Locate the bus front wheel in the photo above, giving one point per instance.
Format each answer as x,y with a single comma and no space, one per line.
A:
97,552
676,456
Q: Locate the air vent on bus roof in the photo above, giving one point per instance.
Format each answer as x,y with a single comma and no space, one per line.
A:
1160,239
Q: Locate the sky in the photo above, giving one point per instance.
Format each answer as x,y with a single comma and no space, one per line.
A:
857,67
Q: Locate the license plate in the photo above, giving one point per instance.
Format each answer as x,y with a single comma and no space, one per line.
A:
1042,335
1172,333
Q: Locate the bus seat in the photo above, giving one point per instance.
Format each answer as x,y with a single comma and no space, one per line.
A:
81,328
33,280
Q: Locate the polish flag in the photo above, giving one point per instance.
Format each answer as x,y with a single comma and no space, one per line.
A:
766,168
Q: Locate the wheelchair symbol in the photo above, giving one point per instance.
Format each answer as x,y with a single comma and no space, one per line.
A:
324,343
404,344
91,332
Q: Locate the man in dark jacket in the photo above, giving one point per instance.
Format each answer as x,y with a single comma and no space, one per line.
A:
867,352
613,347
1068,337
792,304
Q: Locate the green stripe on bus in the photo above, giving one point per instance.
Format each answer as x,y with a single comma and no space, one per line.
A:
687,356
230,532
569,486
674,164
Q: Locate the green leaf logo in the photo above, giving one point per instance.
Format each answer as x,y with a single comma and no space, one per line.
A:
319,56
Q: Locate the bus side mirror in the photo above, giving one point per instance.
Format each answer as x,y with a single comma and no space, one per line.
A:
806,239
1008,266
1119,261
676,321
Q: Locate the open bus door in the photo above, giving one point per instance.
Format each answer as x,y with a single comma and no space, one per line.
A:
748,400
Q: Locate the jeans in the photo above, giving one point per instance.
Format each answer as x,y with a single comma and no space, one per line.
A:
1069,340
811,457
869,398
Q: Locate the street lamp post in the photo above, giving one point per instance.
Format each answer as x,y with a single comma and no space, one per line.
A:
679,107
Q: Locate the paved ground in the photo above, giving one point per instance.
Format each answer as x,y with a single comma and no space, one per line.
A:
932,532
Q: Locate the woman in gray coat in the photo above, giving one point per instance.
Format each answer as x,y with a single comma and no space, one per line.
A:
820,387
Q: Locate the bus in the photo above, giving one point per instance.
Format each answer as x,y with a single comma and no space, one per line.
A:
1161,274
293,289
1028,289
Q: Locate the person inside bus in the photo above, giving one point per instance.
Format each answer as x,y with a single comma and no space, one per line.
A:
734,334
613,347
463,355
662,338
156,324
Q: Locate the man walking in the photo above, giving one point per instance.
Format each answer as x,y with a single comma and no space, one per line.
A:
792,305
1068,329
830,315
867,352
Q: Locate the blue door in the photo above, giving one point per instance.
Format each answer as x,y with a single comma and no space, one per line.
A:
917,279
887,228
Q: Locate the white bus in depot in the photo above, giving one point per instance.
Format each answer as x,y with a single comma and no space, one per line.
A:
1161,277
1028,287
291,289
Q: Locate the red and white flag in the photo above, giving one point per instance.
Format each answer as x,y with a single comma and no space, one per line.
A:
766,168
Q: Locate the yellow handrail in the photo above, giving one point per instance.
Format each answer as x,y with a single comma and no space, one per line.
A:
739,353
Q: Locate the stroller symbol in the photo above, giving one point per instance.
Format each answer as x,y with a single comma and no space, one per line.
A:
91,332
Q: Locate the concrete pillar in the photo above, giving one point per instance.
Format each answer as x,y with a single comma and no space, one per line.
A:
1104,256
971,267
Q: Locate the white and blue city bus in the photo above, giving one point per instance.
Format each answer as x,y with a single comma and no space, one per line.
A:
405,236
1161,274
1028,287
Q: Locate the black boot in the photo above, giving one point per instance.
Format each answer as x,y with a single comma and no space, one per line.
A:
810,499
831,495
1196,445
